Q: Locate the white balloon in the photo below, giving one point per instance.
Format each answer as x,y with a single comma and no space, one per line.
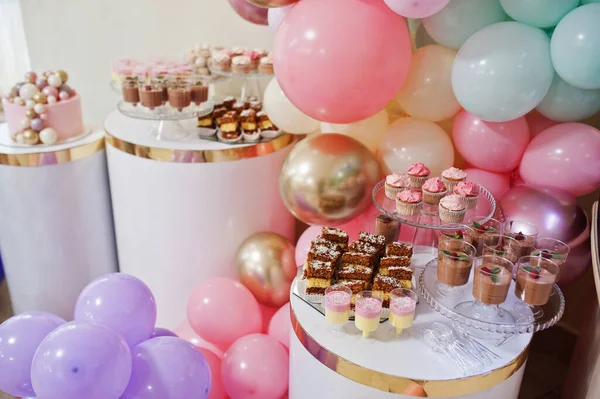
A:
369,131
48,136
284,114
27,91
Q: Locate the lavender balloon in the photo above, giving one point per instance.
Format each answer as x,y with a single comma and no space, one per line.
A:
81,360
20,337
168,368
37,124
121,302
163,332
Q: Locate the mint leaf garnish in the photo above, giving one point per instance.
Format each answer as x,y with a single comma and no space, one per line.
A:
494,278
495,270
476,224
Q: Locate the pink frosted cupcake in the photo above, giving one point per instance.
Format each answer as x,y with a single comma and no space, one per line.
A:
433,191
409,202
452,209
418,174
452,176
469,192
394,184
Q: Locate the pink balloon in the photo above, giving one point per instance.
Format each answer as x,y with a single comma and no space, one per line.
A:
250,12
217,390
556,215
416,8
186,332
277,15
538,123
222,310
496,183
492,146
281,325
341,61
267,314
565,157
255,367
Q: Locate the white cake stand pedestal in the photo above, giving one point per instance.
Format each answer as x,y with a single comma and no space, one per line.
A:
325,366
182,208
56,230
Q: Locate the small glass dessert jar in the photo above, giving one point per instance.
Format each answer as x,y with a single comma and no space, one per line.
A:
151,93
525,234
535,280
550,248
337,307
367,311
403,303
198,89
387,227
130,90
501,246
458,232
455,259
180,94
479,231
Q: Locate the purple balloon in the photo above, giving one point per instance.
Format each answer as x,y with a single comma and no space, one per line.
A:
163,332
168,368
121,302
20,337
556,215
37,124
250,12
81,360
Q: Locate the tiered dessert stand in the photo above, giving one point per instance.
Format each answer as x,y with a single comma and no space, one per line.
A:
250,81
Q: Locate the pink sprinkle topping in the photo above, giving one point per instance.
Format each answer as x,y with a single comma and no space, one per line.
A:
368,307
338,301
402,306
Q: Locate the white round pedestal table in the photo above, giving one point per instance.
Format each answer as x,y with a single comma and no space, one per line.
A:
182,208
323,365
56,230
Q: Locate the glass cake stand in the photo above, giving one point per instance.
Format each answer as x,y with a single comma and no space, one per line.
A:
516,322
251,80
167,126
427,222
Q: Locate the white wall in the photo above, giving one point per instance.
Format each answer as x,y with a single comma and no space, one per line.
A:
83,37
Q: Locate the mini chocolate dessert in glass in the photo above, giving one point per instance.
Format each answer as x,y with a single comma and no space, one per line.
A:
535,283
455,259
525,233
387,227
130,90
198,89
151,94
550,248
460,232
180,95
478,231
501,246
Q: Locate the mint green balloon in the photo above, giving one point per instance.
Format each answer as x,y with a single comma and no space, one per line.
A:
575,47
503,71
584,2
452,26
539,13
566,103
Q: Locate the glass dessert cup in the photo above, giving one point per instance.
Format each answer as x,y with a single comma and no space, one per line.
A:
491,282
130,89
387,227
367,312
455,259
553,249
524,233
535,281
179,93
403,303
479,230
337,309
501,246
461,232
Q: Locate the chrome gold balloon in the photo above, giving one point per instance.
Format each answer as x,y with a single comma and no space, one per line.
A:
266,265
30,137
271,3
327,179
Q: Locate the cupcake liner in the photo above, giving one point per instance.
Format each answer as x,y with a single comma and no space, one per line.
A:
451,216
220,137
451,183
391,192
471,202
433,198
417,181
408,209
269,134
251,138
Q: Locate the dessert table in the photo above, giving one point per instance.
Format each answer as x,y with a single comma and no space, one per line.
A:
56,229
324,365
183,207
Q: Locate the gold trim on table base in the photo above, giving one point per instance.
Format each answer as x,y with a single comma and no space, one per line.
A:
390,383
202,156
53,157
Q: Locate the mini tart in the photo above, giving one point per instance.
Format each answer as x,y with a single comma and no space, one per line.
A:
452,214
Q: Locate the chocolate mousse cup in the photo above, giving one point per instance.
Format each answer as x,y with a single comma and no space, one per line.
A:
478,231
491,280
151,94
525,233
180,94
461,232
387,227
198,89
535,280
553,249
455,259
130,90
501,246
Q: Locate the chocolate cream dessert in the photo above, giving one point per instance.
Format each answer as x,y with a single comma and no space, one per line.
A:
534,285
491,283
453,267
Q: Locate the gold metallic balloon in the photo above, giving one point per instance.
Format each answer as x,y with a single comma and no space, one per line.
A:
40,98
327,179
30,114
63,76
266,265
271,3
31,137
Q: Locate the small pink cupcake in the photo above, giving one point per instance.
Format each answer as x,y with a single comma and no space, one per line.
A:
409,202
221,61
240,64
395,183
452,209
469,192
418,174
254,59
452,176
433,191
